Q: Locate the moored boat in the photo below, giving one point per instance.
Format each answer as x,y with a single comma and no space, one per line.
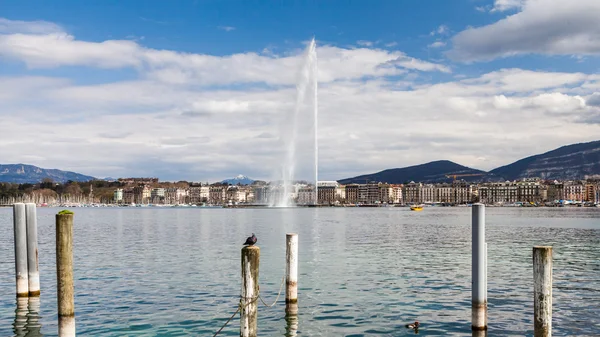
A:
416,208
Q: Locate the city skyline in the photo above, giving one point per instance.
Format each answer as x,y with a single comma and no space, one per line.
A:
196,91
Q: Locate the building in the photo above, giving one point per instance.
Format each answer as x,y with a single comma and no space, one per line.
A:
327,192
368,194
498,193
306,195
128,195
574,191
352,193
118,195
157,195
428,193
530,191
396,194
556,191
261,194
217,194
138,181
590,192
412,193
141,194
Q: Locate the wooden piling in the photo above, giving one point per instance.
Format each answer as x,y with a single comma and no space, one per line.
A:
32,250
249,311
542,291
64,274
291,270
478,269
20,232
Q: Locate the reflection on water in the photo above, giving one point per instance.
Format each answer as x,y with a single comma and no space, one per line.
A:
27,317
291,320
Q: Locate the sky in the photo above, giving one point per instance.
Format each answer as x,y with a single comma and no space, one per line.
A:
197,90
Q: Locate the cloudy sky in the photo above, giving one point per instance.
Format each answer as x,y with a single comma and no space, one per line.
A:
198,90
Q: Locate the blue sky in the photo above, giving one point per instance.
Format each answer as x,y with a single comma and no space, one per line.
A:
401,83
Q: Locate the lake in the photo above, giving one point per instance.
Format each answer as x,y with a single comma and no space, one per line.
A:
362,271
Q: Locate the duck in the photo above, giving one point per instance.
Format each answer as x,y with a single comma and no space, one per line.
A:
414,325
250,241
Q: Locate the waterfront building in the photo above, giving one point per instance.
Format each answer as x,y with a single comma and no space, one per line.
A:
261,194
368,193
306,195
128,195
327,192
217,194
556,191
498,193
396,194
574,190
195,193
590,192
340,193
352,193
157,195
141,194
530,191
118,195
428,193
412,193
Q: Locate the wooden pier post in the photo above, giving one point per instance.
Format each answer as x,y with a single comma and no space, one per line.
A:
32,250
542,291
20,231
478,269
249,311
291,273
64,274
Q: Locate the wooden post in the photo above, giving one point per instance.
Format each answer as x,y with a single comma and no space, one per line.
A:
478,269
64,274
249,311
542,291
32,250
20,231
291,270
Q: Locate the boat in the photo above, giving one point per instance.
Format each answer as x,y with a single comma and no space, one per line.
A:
416,208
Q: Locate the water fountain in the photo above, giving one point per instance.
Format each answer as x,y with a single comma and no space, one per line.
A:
306,95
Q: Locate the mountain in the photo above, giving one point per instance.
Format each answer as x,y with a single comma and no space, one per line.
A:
569,162
21,174
432,172
240,179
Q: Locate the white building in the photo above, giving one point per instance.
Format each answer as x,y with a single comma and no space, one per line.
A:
118,195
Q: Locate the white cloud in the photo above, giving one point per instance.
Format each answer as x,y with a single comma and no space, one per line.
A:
28,27
61,49
226,28
552,27
505,5
441,30
391,44
437,44
364,43
181,119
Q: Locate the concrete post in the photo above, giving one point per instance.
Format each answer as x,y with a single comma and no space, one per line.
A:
32,250
291,268
478,269
20,231
20,324
542,291
249,311
64,274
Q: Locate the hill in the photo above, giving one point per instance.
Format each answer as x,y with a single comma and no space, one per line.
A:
433,172
21,174
569,162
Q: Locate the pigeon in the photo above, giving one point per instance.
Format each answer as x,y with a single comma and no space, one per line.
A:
414,325
250,241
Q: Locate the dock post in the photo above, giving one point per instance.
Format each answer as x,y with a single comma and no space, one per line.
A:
20,231
291,273
64,274
32,250
478,269
249,301
542,291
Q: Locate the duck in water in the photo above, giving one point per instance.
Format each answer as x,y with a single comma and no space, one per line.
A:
251,240
414,326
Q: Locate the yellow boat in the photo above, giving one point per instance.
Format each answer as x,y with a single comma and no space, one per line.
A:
416,208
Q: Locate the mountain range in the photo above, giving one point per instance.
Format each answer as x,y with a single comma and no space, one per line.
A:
23,174
240,179
569,162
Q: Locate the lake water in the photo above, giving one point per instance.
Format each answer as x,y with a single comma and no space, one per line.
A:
363,271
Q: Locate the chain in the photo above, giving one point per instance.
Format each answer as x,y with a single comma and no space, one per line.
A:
241,305
280,289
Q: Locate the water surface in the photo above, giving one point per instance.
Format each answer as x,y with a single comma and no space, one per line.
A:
363,271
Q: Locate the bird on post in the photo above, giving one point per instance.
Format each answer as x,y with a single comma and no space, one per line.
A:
251,240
